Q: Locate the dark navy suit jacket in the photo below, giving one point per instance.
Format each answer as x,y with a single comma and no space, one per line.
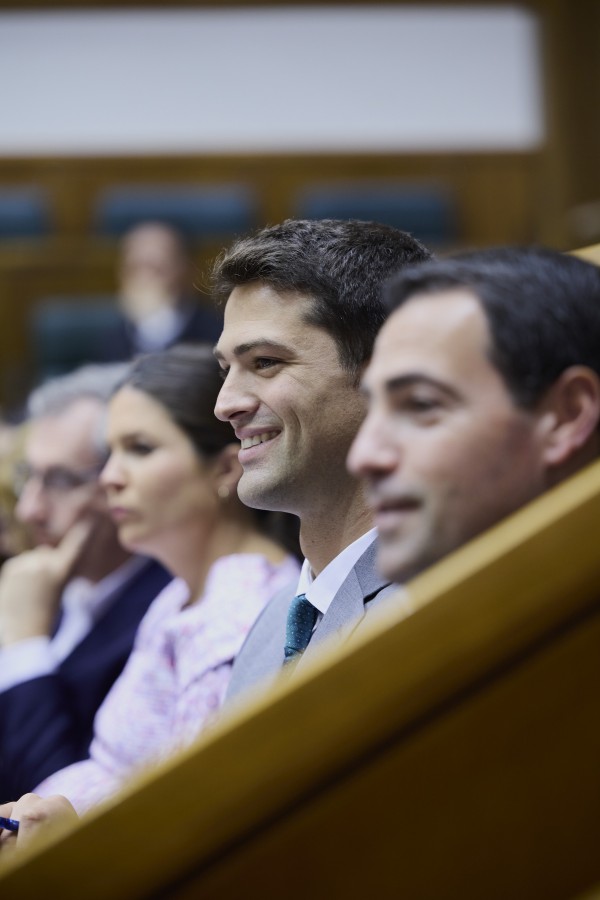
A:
46,723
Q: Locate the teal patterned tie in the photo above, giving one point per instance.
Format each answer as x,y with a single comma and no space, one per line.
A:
301,619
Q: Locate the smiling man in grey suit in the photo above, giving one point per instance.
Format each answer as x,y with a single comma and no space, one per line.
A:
302,311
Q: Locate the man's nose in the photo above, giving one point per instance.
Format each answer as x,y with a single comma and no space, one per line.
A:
373,450
31,505
235,399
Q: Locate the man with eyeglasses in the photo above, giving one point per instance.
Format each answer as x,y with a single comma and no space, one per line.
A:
69,608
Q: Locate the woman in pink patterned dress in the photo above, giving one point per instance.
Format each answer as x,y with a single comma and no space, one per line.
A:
171,483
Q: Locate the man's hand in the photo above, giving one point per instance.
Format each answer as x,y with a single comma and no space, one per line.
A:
36,815
31,585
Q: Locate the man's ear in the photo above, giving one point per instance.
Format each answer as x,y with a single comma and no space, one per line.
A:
227,471
570,416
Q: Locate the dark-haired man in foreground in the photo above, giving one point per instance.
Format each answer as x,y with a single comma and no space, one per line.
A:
483,392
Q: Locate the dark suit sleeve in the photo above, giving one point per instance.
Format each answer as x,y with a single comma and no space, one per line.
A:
47,723
41,731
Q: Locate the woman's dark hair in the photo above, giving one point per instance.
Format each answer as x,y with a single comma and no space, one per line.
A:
186,380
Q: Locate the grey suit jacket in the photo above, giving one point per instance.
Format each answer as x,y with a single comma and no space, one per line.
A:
261,657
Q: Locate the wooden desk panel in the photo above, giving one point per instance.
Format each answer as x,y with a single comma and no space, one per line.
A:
452,753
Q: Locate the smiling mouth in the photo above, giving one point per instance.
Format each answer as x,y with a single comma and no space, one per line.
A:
258,439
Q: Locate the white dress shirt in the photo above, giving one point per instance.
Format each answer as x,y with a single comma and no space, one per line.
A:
321,590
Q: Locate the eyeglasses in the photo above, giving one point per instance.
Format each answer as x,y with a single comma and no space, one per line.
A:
56,480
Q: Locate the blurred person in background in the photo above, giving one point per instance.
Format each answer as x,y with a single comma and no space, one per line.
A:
171,482
69,608
156,295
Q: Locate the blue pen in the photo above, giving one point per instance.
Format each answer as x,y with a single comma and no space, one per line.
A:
9,824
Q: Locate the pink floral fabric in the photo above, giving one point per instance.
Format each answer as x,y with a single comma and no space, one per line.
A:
176,677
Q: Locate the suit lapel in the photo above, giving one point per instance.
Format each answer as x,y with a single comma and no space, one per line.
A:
272,638
348,607
261,656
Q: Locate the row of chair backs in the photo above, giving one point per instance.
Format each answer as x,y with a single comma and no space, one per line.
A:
68,331
203,212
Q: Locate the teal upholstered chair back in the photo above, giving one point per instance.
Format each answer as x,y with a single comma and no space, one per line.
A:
198,212
67,333
24,213
426,211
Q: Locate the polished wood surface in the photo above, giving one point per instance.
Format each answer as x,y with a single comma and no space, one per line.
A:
450,754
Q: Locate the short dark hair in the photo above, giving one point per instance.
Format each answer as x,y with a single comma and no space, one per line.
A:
185,380
340,264
542,308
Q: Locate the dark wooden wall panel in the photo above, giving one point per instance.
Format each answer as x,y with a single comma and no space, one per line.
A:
496,200
501,197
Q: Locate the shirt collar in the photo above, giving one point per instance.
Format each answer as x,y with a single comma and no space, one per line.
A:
322,589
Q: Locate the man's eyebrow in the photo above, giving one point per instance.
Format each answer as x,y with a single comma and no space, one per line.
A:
262,343
410,379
